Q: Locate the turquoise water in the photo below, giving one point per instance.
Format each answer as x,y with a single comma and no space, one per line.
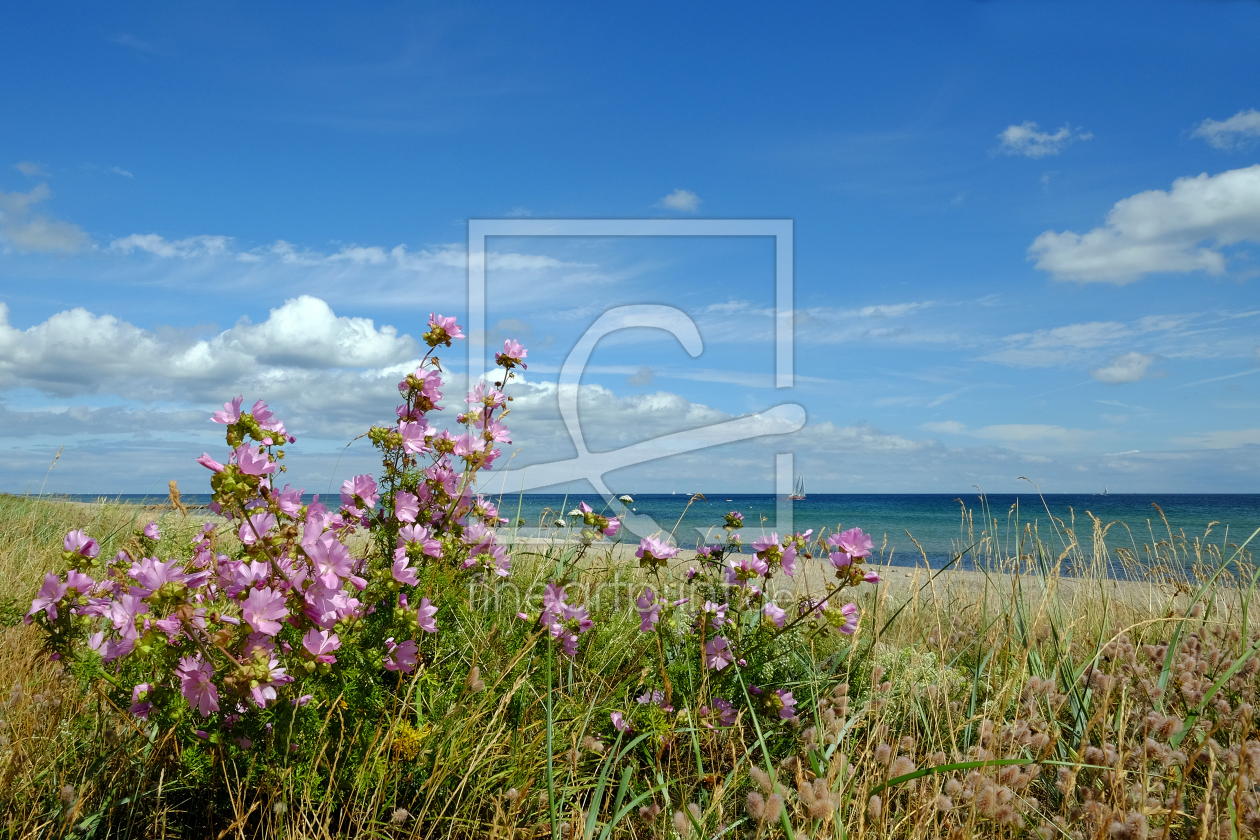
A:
933,519
936,521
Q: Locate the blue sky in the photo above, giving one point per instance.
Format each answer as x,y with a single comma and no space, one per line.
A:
1025,233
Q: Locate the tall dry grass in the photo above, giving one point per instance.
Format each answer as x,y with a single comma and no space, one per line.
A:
1052,692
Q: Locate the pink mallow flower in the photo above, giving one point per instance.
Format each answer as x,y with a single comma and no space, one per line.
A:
401,571
406,506
840,560
788,561
446,324
290,501
553,602
850,613
425,616
231,412
265,692
253,461
512,355
414,436
568,626
487,395
46,599
400,657
262,609
716,614
362,486
619,722
152,574
717,653
151,531
853,542
265,416
745,567
196,683
79,583
80,543
320,644
469,445
786,703
256,527
140,704
774,613
723,711
651,549
421,536
209,463
331,558
765,543
649,610
326,607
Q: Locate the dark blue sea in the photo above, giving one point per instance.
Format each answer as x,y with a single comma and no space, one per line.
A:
943,524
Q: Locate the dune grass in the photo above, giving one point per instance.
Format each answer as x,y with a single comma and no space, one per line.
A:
1040,696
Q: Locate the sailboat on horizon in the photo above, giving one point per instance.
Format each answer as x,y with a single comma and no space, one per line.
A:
798,492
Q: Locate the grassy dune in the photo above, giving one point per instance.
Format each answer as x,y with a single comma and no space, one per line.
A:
1016,701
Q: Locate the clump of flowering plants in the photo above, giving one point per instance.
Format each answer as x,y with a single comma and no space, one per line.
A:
731,616
227,643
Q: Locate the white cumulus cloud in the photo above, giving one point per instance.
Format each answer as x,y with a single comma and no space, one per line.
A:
684,200
77,352
1181,230
1228,134
1131,367
305,332
1027,140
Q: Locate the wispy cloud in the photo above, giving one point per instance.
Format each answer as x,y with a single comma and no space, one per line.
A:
1130,367
683,200
1014,433
26,230
1027,140
1227,439
31,169
449,256
1239,130
190,248
1220,378
1058,345
132,42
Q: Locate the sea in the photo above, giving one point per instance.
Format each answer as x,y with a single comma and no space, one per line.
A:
944,525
